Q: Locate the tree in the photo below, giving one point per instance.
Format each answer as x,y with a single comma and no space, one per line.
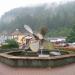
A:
10,44
71,37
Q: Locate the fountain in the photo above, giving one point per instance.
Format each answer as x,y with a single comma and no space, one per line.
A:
37,55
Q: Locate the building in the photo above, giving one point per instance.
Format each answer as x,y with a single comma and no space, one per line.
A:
18,36
57,39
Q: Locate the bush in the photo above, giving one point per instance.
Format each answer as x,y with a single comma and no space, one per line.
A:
71,37
10,44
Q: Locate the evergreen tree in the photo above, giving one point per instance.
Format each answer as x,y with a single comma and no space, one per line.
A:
71,37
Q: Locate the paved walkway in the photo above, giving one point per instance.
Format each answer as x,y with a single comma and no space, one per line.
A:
66,70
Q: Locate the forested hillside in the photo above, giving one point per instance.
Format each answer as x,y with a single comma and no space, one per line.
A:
58,18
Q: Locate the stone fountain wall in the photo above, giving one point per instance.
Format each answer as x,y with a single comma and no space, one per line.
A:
54,61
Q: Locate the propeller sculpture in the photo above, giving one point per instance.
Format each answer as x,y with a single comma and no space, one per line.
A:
35,45
40,41
28,29
31,31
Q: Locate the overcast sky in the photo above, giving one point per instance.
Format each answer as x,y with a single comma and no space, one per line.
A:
6,5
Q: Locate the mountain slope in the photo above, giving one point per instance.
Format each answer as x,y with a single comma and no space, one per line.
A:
58,18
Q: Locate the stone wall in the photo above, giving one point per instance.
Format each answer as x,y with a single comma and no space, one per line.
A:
55,61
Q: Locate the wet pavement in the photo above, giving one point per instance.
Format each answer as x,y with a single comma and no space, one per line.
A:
66,70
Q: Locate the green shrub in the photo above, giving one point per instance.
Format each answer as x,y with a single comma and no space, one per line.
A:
10,44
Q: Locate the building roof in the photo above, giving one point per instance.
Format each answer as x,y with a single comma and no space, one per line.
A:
17,32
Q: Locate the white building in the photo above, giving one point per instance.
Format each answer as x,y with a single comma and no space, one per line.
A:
57,39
